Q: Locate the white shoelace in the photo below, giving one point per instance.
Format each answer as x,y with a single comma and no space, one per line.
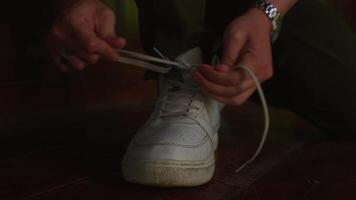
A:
141,60
185,98
266,116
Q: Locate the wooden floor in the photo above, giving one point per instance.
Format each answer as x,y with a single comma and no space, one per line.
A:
81,160
61,140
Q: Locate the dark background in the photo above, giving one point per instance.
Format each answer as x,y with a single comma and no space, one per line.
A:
62,136
35,94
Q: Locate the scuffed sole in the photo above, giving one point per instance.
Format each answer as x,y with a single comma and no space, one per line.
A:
168,176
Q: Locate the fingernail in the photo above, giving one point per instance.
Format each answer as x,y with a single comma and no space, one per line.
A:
122,39
116,42
122,42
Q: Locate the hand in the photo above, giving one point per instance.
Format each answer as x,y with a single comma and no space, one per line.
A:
83,33
247,42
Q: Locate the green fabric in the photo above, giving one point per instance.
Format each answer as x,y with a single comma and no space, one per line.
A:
315,69
111,3
180,25
126,17
175,26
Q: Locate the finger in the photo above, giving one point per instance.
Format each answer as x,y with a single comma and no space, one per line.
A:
82,56
237,100
262,68
107,31
247,60
232,78
233,43
237,78
76,63
223,68
89,57
216,89
117,43
54,35
72,62
106,25
59,42
57,61
93,44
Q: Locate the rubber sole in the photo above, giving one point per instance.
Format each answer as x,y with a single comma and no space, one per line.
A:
170,173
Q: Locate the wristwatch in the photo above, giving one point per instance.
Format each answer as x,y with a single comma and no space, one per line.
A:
271,11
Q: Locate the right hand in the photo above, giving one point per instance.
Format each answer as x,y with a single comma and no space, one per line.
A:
84,32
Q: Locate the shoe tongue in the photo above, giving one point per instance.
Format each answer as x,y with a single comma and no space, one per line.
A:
177,82
182,77
191,57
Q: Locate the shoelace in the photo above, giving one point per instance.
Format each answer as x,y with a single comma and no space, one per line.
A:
266,116
170,99
141,60
170,106
185,92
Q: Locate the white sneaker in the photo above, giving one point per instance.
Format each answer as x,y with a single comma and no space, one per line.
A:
176,145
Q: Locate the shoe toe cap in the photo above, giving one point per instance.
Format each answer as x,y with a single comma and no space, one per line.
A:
172,142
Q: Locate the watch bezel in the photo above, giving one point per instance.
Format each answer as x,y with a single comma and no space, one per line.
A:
271,12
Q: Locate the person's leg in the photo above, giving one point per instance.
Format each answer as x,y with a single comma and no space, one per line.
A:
315,69
173,26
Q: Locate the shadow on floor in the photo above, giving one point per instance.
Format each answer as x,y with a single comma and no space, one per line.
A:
82,161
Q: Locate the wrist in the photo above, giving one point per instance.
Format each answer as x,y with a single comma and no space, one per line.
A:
262,19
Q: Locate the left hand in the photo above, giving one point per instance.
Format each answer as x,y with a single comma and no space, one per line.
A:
246,42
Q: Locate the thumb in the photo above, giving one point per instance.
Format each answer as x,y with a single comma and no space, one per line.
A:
247,60
107,32
116,42
223,68
232,49
230,55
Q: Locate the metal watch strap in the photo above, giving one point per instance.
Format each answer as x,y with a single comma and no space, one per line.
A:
270,10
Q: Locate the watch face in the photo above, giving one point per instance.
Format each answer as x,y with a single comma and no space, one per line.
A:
271,11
